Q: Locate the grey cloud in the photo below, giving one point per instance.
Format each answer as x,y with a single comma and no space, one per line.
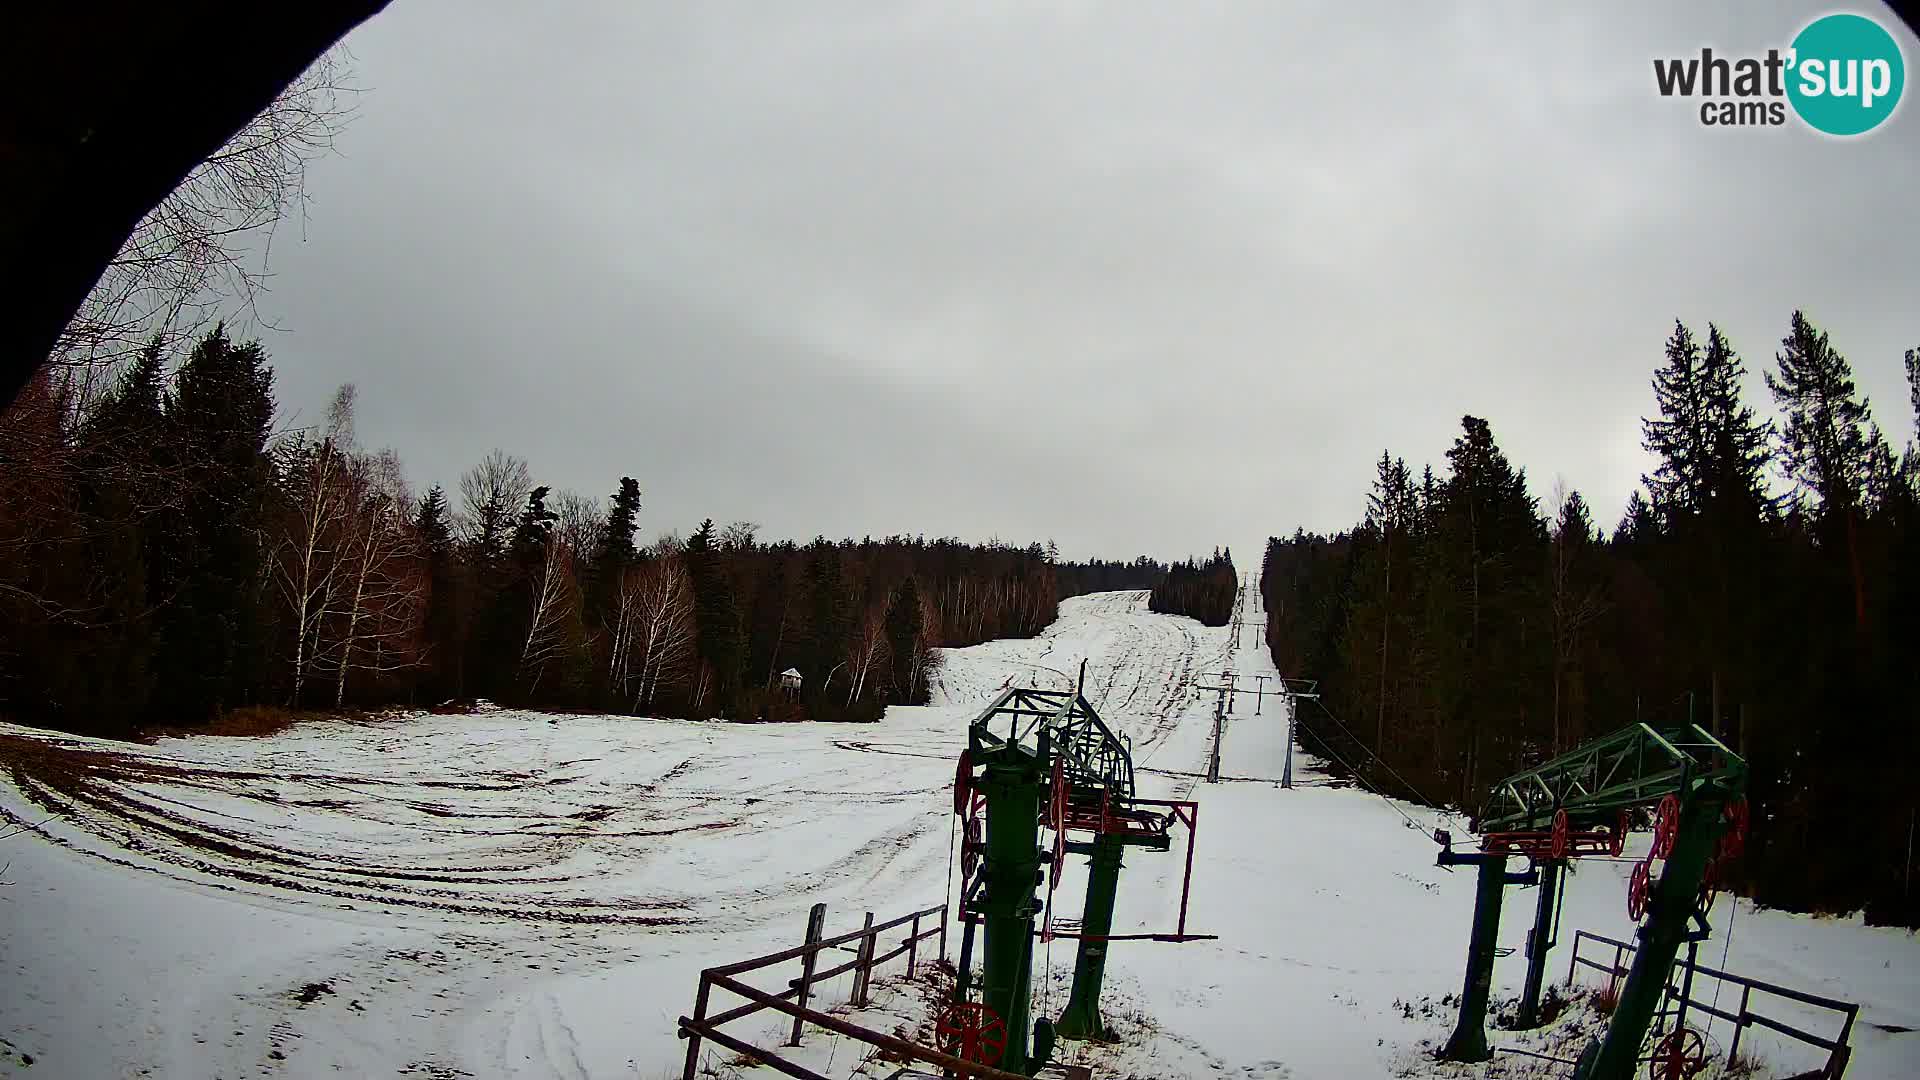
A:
1135,277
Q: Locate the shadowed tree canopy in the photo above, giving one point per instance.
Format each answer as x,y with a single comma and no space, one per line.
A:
108,106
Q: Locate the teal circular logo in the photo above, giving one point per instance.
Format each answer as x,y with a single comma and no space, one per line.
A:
1845,74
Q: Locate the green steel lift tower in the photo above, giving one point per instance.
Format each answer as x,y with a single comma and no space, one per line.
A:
1043,759
1581,804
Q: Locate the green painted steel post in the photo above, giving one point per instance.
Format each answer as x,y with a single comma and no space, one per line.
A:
1669,910
1469,1041
1081,1019
1539,941
1012,784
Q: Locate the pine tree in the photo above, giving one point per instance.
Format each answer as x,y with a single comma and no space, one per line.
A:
1679,485
1826,443
1638,525
118,489
1487,530
1709,491
1912,464
826,618
1735,442
444,623
1829,443
616,551
214,637
720,644
906,641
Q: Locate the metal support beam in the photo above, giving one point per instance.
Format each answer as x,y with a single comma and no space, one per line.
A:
1669,911
1013,781
1081,1019
1469,1040
1539,941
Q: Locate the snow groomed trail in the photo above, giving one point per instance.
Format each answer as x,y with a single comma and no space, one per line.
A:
511,894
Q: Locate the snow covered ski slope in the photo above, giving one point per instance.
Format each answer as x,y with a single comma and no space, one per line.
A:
511,894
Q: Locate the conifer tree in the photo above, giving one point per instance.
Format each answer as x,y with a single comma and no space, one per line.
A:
444,622
1678,438
214,637
1826,442
720,643
118,489
906,641
827,617
616,551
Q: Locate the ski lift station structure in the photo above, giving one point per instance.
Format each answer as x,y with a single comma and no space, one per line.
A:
1580,805
1044,758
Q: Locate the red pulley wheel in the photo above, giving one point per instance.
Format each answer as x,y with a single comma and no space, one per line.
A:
1734,841
1680,1055
972,1032
963,782
1617,843
1057,815
1666,826
1709,886
1560,834
970,848
1637,887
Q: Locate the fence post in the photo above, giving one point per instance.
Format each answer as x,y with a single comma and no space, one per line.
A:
1575,958
863,965
943,932
816,927
693,1037
1686,984
1740,1025
913,944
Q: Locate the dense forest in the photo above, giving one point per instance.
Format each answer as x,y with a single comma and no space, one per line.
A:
1459,633
1202,590
167,557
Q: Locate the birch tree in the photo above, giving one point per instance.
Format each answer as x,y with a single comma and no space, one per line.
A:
657,605
317,485
869,650
554,603
384,583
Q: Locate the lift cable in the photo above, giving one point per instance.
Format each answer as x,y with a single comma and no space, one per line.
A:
953,833
1732,914
1391,771
1358,778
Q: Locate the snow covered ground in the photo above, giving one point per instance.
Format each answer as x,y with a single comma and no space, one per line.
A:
509,894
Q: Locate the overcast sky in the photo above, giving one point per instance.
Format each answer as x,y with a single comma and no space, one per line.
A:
1135,277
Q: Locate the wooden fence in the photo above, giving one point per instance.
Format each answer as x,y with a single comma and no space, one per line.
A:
1742,1017
793,1000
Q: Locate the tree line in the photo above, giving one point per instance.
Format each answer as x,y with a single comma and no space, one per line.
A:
166,557
1461,634
1200,590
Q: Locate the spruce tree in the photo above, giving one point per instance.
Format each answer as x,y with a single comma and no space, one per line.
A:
1487,531
1679,484
826,617
444,621
720,643
1826,443
1638,525
905,640
116,491
616,551
214,639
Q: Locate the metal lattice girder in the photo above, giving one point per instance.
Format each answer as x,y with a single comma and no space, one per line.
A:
1630,767
1096,759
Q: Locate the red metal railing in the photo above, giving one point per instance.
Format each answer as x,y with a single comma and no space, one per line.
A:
1839,1051
701,1027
